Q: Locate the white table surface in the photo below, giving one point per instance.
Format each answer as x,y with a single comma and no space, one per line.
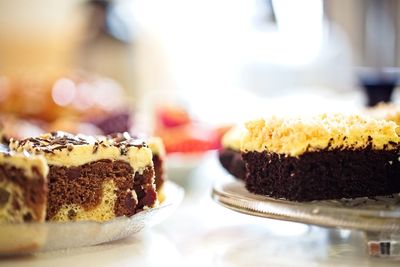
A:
202,233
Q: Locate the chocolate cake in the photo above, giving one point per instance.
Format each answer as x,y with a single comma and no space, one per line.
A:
158,150
157,147
323,157
23,187
230,156
94,178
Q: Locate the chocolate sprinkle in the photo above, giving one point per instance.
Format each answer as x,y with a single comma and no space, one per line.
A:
60,140
71,214
95,147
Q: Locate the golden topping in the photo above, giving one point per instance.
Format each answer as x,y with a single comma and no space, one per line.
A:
390,112
294,136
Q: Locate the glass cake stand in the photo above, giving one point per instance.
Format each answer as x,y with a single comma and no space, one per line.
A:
23,238
378,217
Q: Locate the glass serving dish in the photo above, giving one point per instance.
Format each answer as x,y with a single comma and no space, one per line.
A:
33,237
378,217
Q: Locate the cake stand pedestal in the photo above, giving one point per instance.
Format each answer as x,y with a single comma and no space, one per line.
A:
378,218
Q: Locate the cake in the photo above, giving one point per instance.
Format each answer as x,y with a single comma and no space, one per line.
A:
23,199
322,157
23,187
94,178
158,150
229,155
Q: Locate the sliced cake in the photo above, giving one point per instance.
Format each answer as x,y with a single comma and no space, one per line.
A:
94,178
230,156
323,157
157,148
23,187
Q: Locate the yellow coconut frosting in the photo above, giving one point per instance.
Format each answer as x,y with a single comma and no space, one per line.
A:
297,135
390,112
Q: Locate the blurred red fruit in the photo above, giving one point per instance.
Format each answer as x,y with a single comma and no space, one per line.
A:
190,138
172,116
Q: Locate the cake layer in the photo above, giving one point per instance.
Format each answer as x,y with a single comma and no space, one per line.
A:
230,156
23,188
295,136
157,148
232,161
330,174
99,190
158,163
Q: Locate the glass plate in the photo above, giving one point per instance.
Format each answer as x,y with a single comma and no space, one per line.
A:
379,217
33,237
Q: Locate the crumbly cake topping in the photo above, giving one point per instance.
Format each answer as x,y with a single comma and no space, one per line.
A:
294,136
390,112
64,149
232,138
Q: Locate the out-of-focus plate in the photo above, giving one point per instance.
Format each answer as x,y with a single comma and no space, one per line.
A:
180,166
32,237
379,214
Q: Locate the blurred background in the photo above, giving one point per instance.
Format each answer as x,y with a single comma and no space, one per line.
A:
188,70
